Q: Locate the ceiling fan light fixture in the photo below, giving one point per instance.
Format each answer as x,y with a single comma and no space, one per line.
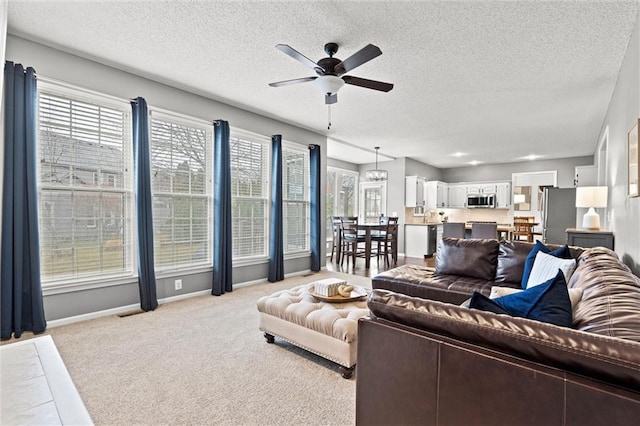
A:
377,174
329,84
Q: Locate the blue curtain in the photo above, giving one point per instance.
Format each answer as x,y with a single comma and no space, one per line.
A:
143,205
276,245
315,214
222,236
21,289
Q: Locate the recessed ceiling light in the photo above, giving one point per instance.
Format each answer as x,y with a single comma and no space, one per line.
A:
474,162
458,154
531,157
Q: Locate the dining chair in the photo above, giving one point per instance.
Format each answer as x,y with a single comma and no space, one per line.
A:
335,226
523,228
350,239
453,230
387,240
484,230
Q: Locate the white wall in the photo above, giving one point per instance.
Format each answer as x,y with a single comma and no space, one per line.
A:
58,65
623,112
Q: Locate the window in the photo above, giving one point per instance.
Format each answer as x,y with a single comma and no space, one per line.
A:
374,201
85,225
249,194
341,197
181,185
295,197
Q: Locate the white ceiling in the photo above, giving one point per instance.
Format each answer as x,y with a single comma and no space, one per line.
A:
495,81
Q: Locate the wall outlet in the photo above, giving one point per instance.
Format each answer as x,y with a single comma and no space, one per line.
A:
178,284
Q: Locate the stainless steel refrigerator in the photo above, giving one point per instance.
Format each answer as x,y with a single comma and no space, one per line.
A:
558,212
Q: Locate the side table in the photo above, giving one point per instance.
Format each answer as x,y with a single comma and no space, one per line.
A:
588,238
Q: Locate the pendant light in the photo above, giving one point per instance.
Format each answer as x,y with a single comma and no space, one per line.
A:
377,174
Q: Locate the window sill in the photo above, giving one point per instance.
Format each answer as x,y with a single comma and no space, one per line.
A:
73,286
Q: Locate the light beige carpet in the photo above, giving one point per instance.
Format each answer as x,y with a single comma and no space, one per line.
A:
203,361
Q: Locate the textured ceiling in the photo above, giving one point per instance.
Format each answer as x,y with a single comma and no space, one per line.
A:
495,81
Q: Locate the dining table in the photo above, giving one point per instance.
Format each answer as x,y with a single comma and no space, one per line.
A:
367,230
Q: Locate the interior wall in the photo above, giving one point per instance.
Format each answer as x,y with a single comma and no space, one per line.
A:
416,168
332,162
489,172
65,67
623,112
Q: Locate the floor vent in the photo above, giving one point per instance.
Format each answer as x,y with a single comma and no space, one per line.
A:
309,275
128,314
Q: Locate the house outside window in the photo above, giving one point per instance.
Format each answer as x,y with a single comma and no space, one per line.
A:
85,227
249,194
295,197
182,191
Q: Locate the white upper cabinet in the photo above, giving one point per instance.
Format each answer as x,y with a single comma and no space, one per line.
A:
437,194
457,195
503,195
414,191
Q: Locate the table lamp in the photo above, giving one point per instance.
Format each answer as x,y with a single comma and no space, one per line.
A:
591,197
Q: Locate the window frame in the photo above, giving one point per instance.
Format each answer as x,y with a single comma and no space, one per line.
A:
89,281
236,133
304,150
187,121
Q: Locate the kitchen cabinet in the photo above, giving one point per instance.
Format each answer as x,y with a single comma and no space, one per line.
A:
488,188
420,240
586,176
457,195
414,191
473,188
503,195
437,194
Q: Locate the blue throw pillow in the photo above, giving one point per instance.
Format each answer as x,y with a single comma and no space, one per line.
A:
547,302
562,252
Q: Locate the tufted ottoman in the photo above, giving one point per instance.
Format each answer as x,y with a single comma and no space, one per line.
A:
326,329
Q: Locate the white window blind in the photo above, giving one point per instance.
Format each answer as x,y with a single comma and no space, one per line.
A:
181,182
249,195
85,192
295,195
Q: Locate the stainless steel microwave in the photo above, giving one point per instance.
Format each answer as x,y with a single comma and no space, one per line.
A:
486,201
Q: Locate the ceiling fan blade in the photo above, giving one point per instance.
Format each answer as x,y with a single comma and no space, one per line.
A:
288,50
294,81
369,84
363,55
330,98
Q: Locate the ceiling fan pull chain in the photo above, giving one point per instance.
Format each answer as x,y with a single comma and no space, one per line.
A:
329,117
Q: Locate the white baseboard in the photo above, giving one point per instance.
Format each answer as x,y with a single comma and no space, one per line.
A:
136,306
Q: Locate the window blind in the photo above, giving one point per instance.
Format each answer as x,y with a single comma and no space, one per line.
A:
295,194
84,187
181,184
249,189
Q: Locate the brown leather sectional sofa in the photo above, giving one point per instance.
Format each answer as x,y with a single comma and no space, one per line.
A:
423,359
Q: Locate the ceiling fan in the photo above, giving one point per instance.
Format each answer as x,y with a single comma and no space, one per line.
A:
330,70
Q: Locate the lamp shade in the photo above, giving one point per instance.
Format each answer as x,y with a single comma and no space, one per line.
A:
591,196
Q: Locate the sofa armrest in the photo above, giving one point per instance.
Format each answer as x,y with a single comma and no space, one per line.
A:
612,360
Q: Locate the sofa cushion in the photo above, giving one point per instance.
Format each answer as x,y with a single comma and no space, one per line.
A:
511,258
546,267
575,294
547,302
473,258
562,252
610,304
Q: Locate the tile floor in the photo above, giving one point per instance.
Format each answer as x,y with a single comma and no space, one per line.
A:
36,388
